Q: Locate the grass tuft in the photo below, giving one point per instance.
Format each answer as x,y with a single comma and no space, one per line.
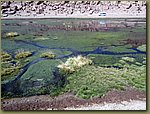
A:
74,63
48,54
12,34
22,54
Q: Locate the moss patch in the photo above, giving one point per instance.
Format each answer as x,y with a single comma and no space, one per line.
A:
93,81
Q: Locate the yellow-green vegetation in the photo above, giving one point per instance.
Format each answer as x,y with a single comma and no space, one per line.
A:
7,66
22,54
5,56
48,54
144,61
27,60
12,34
74,63
128,62
128,59
92,81
9,71
142,47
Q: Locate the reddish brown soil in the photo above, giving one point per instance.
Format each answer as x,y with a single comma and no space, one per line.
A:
135,42
44,102
76,26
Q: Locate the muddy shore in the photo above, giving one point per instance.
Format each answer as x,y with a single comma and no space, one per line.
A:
61,102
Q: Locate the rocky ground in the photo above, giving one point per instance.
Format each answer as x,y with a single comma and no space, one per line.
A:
124,105
79,9
129,99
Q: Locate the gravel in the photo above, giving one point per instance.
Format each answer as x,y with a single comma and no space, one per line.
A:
124,105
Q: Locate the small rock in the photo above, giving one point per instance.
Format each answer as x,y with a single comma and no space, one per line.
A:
14,8
124,102
18,7
39,2
91,12
11,12
4,15
4,7
4,10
